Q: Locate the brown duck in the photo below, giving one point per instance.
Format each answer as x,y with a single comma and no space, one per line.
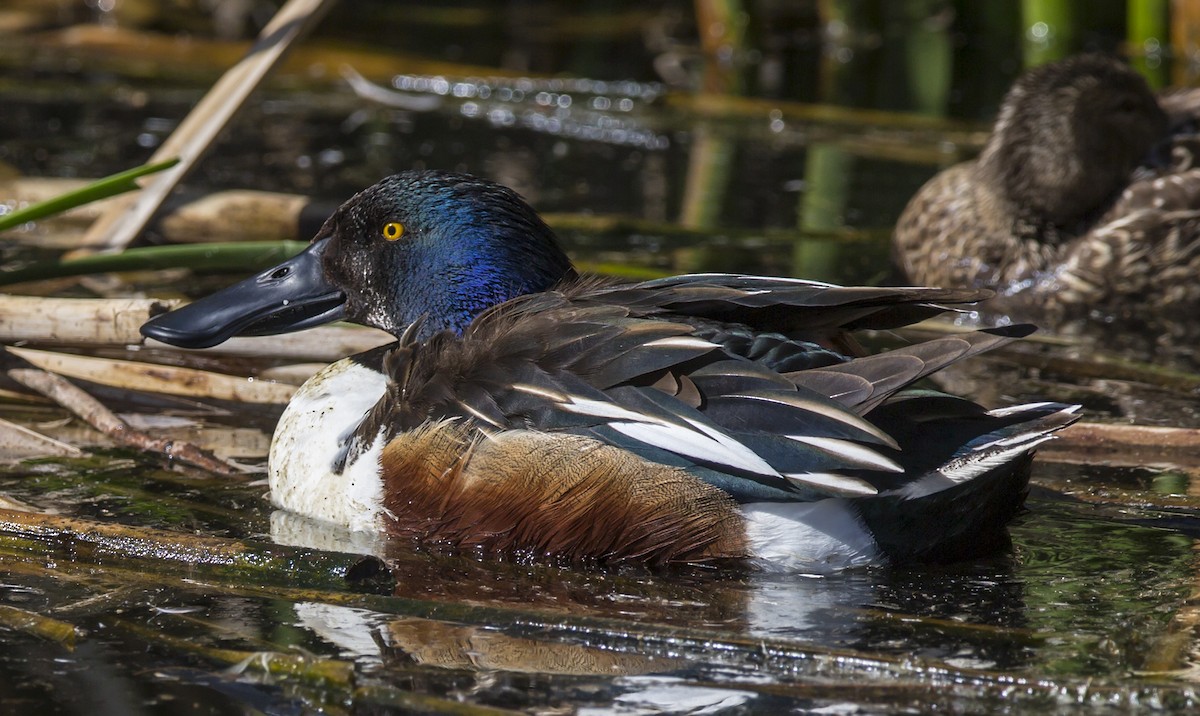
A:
1086,199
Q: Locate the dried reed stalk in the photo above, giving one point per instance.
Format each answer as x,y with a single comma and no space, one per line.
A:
71,397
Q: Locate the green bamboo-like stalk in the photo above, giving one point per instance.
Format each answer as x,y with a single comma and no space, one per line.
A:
822,207
1185,39
710,160
100,189
38,625
1049,27
722,29
241,256
929,54
1148,32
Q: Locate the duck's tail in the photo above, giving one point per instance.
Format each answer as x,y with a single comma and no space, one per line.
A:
960,509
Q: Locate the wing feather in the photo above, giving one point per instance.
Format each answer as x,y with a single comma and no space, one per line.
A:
658,368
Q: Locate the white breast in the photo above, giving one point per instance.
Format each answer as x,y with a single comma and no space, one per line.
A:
310,436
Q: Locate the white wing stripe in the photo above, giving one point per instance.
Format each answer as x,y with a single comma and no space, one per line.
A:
543,392
681,342
601,409
843,484
841,415
751,459
693,440
682,441
851,452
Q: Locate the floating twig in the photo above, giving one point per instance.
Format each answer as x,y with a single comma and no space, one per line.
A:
1130,445
368,90
1106,367
170,380
18,441
73,398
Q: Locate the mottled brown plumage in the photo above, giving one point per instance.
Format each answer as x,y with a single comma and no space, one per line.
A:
556,495
1084,199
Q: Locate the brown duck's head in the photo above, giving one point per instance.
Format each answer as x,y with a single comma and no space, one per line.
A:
1069,135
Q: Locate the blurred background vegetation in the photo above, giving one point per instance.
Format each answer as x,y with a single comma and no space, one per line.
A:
789,133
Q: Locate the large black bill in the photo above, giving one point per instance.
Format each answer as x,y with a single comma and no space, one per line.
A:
289,297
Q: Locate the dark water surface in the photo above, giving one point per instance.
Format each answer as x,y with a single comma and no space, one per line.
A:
587,111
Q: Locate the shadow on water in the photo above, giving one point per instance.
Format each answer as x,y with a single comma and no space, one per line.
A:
832,115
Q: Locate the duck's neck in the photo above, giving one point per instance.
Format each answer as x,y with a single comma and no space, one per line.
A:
470,288
467,276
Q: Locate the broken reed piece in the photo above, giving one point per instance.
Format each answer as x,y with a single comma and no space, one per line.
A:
76,321
76,400
128,216
1126,445
18,441
155,378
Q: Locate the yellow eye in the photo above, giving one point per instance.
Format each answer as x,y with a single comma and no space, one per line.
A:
393,230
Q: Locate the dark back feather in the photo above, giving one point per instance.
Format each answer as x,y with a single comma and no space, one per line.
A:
664,367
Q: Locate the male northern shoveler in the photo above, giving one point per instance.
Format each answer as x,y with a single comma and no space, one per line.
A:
1086,198
527,410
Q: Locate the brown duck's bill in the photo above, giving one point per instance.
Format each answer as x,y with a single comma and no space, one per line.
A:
289,297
